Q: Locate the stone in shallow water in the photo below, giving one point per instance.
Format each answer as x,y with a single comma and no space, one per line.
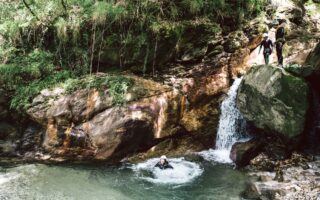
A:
243,152
251,192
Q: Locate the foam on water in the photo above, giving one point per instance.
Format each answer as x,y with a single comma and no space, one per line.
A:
217,155
7,177
183,171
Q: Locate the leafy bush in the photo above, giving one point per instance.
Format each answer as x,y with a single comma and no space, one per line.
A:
24,69
63,27
117,86
25,93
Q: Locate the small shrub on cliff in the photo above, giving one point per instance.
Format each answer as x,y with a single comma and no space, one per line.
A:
117,86
23,95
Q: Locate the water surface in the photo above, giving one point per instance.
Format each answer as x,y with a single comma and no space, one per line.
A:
191,180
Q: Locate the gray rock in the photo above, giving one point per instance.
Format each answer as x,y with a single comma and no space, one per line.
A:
313,59
274,100
251,192
243,152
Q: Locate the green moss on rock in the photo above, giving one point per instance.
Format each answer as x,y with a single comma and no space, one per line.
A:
274,100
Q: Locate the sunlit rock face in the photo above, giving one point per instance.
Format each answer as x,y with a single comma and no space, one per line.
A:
85,124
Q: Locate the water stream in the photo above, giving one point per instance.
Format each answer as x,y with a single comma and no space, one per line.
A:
231,128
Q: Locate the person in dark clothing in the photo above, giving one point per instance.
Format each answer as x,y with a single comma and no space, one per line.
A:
163,163
280,41
267,48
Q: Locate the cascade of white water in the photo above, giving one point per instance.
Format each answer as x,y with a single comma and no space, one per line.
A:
231,124
231,127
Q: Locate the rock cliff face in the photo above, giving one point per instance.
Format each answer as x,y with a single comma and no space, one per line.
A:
85,124
274,100
177,110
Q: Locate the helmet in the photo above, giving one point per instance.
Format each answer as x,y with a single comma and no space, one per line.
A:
163,157
265,35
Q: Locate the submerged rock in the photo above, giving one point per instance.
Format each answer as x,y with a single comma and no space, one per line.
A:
274,100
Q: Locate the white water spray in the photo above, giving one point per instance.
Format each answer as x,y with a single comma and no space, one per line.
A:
231,128
183,171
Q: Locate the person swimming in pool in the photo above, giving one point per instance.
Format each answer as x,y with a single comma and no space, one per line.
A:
163,163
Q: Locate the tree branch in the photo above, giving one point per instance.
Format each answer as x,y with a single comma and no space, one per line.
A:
64,5
28,7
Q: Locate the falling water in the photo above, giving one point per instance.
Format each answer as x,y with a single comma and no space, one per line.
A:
231,127
231,124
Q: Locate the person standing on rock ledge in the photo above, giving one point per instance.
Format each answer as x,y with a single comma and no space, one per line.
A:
268,46
280,41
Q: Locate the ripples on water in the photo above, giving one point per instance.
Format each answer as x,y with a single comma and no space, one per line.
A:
188,180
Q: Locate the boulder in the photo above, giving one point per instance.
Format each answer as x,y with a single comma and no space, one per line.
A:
251,192
118,132
243,152
274,100
235,41
313,59
8,136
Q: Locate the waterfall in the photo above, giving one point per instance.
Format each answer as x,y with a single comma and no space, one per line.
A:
231,124
231,127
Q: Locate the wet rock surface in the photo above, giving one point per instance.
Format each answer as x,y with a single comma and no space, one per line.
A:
242,152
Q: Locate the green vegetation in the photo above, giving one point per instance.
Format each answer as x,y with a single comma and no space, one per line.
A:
47,42
24,93
117,86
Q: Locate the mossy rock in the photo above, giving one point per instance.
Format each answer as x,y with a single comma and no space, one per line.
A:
274,100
